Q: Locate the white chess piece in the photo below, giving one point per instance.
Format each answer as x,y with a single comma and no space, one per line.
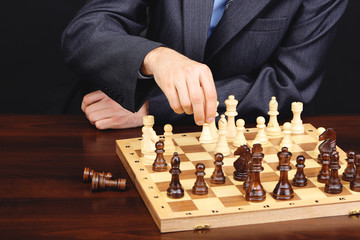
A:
231,104
213,128
319,131
206,136
286,141
273,129
296,123
149,140
222,145
240,137
169,143
261,136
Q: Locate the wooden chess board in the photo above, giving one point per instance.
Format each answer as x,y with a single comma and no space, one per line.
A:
225,204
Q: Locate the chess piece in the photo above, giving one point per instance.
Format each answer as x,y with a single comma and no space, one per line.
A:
206,135
319,131
231,112
286,141
101,183
222,145
283,190
349,171
324,174
299,179
240,137
159,164
273,129
149,140
200,187
218,176
256,192
169,143
334,186
240,173
89,174
248,168
175,189
261,136
213,128
355,183
296,123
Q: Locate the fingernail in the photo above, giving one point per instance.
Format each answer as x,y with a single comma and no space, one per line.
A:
199,122
210,120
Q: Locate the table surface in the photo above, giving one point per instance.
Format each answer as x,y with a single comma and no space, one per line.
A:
42,195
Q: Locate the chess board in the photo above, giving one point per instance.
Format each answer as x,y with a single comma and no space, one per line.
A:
225,204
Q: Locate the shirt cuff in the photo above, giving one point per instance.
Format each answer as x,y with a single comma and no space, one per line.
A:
141,76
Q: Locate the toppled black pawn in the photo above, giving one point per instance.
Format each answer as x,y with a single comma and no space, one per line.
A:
159,164
283,190
334,186
355,183
349,171
218,176
299,179
240,173
175,189
200,187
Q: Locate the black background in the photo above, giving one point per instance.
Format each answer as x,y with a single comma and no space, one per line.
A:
34,78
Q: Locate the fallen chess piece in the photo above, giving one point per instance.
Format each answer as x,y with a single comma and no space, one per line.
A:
89,174
100,183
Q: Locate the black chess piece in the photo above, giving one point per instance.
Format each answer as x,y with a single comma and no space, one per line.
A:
218,176
283,190
159,164
349,171
240,173
175,189
299,179
355,183
334,186
324,174
200,187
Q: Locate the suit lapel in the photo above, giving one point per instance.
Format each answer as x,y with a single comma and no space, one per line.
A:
197,16
239,14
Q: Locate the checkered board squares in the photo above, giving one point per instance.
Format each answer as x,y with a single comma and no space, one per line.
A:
226,202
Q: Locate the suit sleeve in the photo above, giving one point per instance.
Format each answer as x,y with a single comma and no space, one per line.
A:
103,46
295,70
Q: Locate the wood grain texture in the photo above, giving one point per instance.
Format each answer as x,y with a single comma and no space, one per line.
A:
42,195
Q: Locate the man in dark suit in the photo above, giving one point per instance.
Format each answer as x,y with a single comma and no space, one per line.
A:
190,56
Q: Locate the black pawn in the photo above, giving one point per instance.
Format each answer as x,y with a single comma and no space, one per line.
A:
218,176
159,164
240,173
349,171
324,174
200,187
355,183
175,189
299,178
334,186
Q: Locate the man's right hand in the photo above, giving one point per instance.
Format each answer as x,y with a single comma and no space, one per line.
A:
187,84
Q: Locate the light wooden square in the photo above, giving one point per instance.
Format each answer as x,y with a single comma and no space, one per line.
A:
271,158
302,139
199,156
310,193
160,176
208,204
186,141
226,191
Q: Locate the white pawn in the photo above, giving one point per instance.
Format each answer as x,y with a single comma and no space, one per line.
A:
286,141
296,123
213,128
240,137
319,131
206,136
169,143
261,136
222,145
231,104
149,140
273,129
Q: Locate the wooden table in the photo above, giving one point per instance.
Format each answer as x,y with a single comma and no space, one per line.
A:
42,195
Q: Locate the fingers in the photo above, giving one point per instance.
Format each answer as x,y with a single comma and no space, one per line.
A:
91,98
99,115
197,100
173,97
209,89
183,94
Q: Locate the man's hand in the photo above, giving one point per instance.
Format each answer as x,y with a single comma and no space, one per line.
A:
187,84
104,113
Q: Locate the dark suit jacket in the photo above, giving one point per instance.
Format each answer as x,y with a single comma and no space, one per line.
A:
259,49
